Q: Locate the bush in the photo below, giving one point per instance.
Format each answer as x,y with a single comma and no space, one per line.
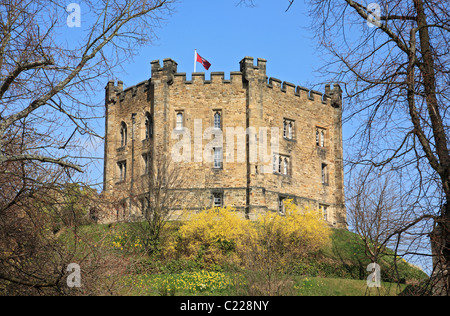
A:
298,232
212,236
220,235
279,247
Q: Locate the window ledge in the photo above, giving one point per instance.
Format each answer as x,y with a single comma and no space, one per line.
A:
282,174
290,139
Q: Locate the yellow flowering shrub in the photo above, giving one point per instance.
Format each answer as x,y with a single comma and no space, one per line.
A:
212,235
220,234
299,230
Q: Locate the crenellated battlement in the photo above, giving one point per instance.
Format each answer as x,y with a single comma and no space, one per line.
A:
168,74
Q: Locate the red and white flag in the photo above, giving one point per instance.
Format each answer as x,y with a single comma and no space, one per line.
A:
202,61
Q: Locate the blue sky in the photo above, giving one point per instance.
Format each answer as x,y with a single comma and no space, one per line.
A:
224,33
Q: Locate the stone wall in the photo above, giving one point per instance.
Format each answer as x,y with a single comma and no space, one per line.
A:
249,103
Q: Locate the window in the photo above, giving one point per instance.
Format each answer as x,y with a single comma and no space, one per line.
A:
275,163
218,120
324,211
285,166
288,129
320,137
324,173
218,157
281,207
122,170
123,134
120,210
145,206
145,159
218,199
281,164
148,126
180,121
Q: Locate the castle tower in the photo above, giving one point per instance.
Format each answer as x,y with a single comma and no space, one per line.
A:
279,141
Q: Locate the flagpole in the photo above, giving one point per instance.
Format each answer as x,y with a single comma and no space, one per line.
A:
195,61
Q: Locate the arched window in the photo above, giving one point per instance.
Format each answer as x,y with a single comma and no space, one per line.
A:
179,125
148,126
217,120
320,137
123,134
285,166
288,129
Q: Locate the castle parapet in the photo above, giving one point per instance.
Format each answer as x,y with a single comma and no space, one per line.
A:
168,73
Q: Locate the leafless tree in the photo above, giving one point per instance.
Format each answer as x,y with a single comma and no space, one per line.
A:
161,193
391,58
383,220
48,71
394,67
373,209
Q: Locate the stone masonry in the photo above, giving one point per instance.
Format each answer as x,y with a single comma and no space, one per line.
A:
168,114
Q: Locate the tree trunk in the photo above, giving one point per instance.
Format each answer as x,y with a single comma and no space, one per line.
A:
440,237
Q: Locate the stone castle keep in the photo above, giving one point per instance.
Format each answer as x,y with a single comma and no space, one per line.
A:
303,159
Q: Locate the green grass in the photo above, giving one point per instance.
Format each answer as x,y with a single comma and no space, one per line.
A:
197,284
338,270
343,287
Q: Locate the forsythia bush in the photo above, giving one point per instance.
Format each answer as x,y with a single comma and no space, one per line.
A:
212,235
299,231
220,234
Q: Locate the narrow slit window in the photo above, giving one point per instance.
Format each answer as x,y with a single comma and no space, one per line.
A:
145,160
180,121
148,126
288,129
320,137
122,170
275,164
123,134
324,173
218,120
281,207
218,158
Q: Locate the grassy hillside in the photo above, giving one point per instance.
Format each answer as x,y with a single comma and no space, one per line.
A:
345,258
338,269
